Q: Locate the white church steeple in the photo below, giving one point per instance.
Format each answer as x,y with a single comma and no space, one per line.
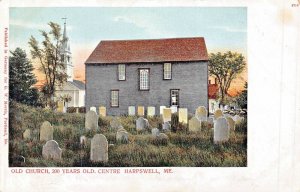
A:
66,55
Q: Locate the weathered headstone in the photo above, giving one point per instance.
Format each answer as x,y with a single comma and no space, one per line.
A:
122,136
115,124
99,148
161,109
231,123
102,111
46,131
150,111
91,120
131,110
51,150
167,114
201,113
155,132
141,111
83,140
173,109
93,109
194,125
142,124
166,127
27,134
221,130
183,115
218,113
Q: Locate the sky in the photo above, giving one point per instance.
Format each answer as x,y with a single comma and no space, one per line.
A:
224,29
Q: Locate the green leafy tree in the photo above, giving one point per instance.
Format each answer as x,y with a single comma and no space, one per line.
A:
22,79
241,100
225,67
49,56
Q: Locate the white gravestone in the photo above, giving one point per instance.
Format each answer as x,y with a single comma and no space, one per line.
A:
150,111
93,109
221,130
142,124
46,131
218,113
183,115
131,110
51,150
155,132
99,148
201,113
91,120
167,114
161,109
194,125
83,140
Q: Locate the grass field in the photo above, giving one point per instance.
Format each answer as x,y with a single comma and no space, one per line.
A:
184,149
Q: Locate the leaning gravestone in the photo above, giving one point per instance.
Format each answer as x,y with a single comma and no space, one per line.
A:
122,136
93,109
115,124
166,127
194,125
218,113
155,132
91,120
102,111
183,115
167,114
51,150
131,110
99,148
201,113
46,131
221,130
150,111
142,124
27,134
231,123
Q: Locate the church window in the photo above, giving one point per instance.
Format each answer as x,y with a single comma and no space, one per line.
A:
122,72
114,100
167,71
144,79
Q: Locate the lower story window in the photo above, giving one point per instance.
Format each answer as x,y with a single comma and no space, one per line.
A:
114,98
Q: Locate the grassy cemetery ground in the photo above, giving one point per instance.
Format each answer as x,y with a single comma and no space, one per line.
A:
183,149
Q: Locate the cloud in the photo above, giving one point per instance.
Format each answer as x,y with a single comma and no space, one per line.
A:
229,29
36,26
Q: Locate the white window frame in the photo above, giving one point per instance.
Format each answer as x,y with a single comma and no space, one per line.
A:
122,72
167,71
114,98
144,79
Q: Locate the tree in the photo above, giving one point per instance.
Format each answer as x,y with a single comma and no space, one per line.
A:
241,100
22,79
50,59
225,67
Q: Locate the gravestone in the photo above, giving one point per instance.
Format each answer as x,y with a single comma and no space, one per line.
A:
83,140
231,123
46,131
155,132
131,110
201,113
183,115
99,148
142,124
27,134
150,111
161,109
51,150
91,120
122,136
218,113
167,114
173,109
166,127
221,130
93,109
102,111
194,125
115,124
141,111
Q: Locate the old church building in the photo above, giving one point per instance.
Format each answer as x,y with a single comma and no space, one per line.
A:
158,72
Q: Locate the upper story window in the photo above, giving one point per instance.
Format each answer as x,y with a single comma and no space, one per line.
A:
144,79
121,72
114,98
167,71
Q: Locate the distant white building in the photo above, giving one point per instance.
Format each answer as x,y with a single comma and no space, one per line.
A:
73,89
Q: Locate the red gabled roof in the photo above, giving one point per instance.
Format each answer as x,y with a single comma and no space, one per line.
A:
154,50
213,90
